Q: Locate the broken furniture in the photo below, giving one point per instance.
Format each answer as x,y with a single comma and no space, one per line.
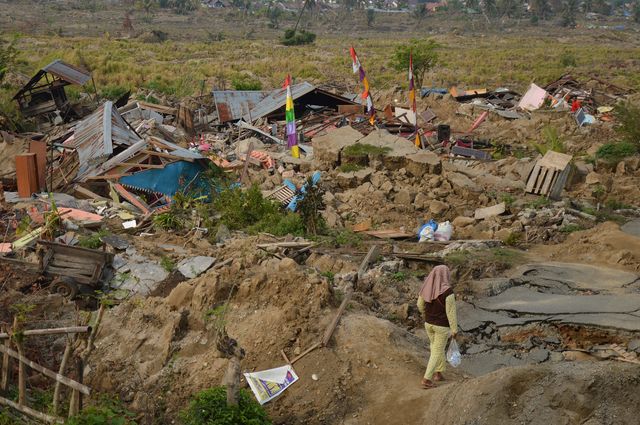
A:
72,268
549,175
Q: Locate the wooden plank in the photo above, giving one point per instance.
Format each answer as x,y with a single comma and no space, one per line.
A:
558,185
334,323
246,162
106,128
133,199
368,259
47,372
83,191
4,384
33,413
541,178
132,164
544,190
52,331
531,182
305,352
555,160
166,155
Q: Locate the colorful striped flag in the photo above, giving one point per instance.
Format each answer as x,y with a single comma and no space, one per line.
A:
366,96
412,99
292,135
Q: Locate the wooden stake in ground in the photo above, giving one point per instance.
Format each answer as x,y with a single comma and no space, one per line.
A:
229,348
63,367
5,367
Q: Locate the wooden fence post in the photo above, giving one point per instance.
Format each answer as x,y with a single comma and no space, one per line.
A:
4,384
63,367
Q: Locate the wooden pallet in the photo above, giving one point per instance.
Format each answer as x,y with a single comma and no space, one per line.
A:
549,175
283,194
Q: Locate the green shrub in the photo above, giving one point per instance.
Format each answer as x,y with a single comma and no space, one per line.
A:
279,224
240,209
361,150
113,92
616,152
349,168
244,82
92,241
567,59
570,228
168,264
106,412
168,221
297,38
209,407
551,141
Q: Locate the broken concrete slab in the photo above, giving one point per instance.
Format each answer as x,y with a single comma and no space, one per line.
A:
527,301
626,322
326,148
632,228
423,162
492,211
578,276
195,266
354,178
471,318
538,355
142,278
461,182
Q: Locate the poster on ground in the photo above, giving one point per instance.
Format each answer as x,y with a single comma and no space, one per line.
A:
268,384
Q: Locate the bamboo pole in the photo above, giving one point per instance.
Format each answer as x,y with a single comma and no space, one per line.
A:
33,413
332,327
5,368
22,382
63,366
53,331
47,372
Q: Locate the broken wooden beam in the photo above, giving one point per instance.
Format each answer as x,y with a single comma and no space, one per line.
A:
52,331
305,352
33,413
47,372
371,256
334,324
285,245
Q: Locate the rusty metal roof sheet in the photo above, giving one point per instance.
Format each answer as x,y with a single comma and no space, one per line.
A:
276,100
233,104
68,72
94,138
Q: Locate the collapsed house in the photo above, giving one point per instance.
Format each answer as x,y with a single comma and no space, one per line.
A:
44,97
233,105
103,153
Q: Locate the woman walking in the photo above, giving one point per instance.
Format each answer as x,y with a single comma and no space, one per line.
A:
437,304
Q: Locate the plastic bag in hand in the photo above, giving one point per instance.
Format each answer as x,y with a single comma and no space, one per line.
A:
453,354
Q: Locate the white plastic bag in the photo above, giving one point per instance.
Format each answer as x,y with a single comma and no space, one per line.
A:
444,232
453,354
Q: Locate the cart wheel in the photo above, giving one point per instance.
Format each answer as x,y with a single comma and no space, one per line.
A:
65,287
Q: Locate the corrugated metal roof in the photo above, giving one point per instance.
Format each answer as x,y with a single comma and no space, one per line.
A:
276,99
68,72
94,137
233,104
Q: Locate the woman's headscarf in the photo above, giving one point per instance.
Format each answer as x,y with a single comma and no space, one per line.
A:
436,283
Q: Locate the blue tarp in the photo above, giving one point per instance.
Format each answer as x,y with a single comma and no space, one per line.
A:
180,176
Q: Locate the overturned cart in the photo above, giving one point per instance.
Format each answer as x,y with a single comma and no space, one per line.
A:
73,269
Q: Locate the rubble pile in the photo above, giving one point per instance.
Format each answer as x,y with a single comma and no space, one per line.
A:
145,210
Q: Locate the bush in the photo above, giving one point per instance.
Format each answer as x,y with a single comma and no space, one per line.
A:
240,209
297,38
92,241
113,92
244,82
616,152
628,119
209,407
107,412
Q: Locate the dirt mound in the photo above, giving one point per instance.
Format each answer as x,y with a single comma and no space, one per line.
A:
170,350
575,393
604,244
